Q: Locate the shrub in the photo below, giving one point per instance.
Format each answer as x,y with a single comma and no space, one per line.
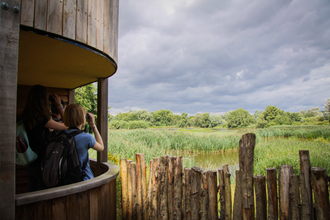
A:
137,124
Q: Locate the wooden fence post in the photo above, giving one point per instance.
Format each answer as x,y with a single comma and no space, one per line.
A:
284,191
246,154
170,194
123,175
204,196
149,190
134,190
129,191
164,163
196,179
272,194
221,176
186,196
141,186
228,195
294,197
163,211
237,210
321,193
155,189
213,191
177,207
260,192
306,188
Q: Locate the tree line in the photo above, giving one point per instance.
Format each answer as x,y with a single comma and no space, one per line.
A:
86,96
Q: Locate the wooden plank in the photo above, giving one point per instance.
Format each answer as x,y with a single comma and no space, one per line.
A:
72,206
106,27
163,210
154,193
59,208
9,38
81,23
54,17
170,195
213,189
112,200
204,196
294,197
84,204
40,15
71,96
103,201
27,12
69,19
94,203
92,23
237,209
25,212
186,196
102,116
99,22
43,210
114,9
141,185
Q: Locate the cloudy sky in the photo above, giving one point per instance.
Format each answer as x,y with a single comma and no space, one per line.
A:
198,56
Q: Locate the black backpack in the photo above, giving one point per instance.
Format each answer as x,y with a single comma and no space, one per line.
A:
60,164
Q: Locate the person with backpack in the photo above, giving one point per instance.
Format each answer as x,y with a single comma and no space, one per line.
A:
37,122
75,118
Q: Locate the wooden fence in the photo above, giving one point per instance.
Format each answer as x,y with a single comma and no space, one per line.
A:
176,193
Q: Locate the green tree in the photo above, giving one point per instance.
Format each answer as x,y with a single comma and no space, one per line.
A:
162,117
271,112
216,120
239,118
183,120
327,109
206,122
86,96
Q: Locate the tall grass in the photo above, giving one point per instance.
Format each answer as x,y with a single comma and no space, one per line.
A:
154,143
299,132
275,152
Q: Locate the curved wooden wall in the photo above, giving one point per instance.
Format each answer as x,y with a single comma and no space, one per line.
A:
92,199
92,22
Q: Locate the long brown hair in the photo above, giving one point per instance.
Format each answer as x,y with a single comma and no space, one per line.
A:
36,107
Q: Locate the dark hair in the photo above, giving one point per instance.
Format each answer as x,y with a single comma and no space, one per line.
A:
54,108
36,107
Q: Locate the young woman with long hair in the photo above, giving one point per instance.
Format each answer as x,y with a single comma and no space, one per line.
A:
37,121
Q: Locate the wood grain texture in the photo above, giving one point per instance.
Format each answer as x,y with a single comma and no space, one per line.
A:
228,196
124,188
170,193
99,23
94,203
59,209
27,12
213,191
306,188
321,193
163,209
272,194
82,21
92,23
106,27
204,196
294,197
114,10
246,155
260,192
237,208
186,196
9,38
284,191
155,189
102,116
221,176
54,16
196,179
40,15
69,19
177,206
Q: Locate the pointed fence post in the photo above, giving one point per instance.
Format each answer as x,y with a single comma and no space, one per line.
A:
321,193
246,154
306,188
284,191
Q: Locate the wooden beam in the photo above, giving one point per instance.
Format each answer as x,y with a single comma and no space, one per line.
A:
71,96
102,117
9,37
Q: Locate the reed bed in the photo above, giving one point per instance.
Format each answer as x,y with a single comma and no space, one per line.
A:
292,131
274,152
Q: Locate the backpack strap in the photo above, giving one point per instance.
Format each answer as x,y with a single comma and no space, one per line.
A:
74,133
